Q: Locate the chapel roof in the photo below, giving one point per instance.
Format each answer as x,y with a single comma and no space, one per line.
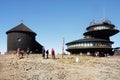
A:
21,28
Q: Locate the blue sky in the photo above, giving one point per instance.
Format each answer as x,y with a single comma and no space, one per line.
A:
54,19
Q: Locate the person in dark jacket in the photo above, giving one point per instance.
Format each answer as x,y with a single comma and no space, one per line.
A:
43,53
28,51
47,52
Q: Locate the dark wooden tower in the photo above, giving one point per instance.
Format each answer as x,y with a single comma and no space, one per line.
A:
96,39
22,37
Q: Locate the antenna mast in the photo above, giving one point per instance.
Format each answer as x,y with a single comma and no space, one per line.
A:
104,13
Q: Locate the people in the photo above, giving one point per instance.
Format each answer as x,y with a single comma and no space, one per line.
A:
53,53
18,52
97,54
28,51
22,53
47,52
43,53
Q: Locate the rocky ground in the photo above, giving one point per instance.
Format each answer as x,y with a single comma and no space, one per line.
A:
36,68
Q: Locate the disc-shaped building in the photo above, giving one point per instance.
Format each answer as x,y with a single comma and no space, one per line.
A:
22,37
96,39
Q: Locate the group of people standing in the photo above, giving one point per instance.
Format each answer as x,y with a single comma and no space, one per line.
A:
47,53
20,52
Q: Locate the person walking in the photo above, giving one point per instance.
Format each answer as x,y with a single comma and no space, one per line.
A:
22,53
28,52
43,53
53,53
47,52
18,52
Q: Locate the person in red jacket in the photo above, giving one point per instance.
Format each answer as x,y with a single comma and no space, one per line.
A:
53,53
18,52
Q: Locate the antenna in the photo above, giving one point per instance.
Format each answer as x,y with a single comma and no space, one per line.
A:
104,13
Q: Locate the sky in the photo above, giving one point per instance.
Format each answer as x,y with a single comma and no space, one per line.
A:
54,19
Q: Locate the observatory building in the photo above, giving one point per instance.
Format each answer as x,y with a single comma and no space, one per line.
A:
22,37
96,39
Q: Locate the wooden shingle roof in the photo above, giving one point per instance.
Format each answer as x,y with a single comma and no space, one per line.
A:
21,28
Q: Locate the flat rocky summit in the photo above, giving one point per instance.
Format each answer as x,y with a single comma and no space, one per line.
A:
36,68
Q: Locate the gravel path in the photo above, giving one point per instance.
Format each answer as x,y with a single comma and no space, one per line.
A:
36,68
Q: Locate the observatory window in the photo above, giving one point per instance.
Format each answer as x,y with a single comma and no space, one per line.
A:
19,39
101,27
